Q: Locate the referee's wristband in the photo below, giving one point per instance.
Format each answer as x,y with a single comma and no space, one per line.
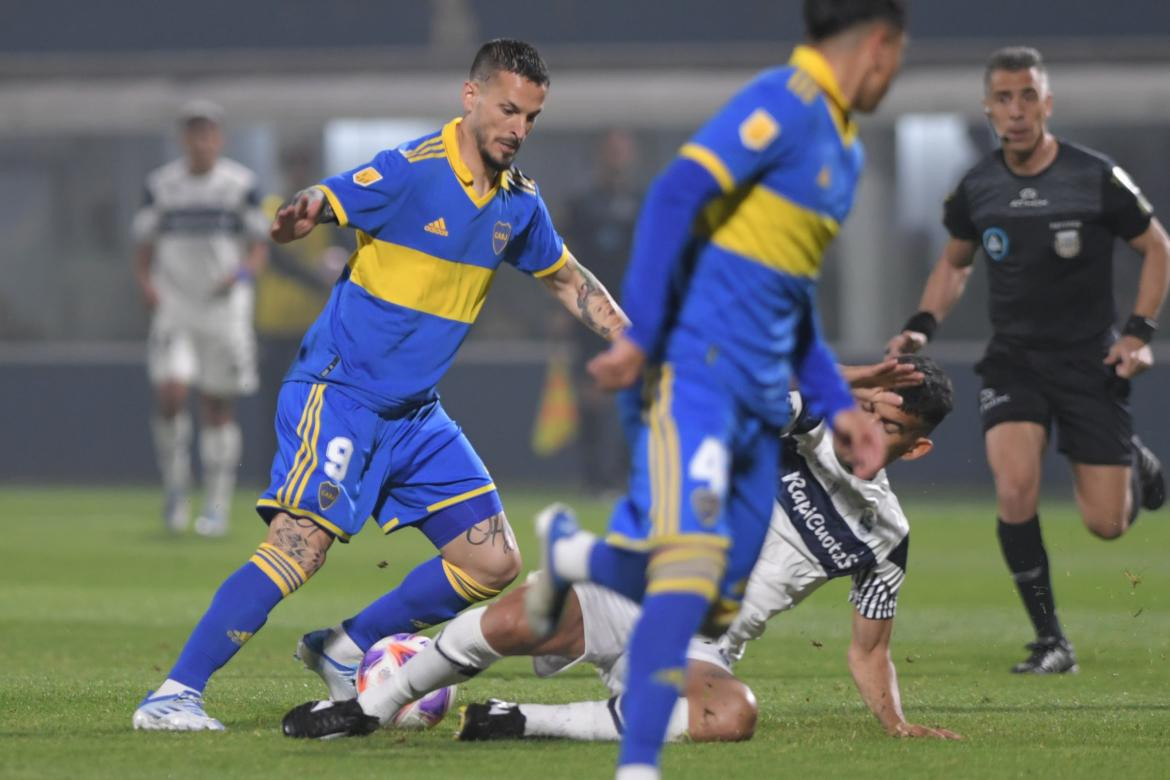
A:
922,322
1140,327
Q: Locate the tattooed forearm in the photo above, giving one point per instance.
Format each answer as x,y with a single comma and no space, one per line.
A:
326,215
301,539
489,531
595,307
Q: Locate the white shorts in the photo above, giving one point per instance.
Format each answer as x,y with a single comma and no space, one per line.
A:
214,352
782,578
608,620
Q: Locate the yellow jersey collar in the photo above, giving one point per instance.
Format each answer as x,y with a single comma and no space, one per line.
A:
462,172
817,67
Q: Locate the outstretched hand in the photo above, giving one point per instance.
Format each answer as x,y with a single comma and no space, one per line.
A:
859,437
619,366
297,218
887,375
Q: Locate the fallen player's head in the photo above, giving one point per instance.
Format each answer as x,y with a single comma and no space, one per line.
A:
871,34
906,429
502,97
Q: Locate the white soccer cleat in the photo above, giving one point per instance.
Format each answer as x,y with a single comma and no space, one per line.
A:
545,596
177,712
211,525
340,677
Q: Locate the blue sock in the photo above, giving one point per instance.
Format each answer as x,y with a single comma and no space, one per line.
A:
238,610
622,571
432,593
657,671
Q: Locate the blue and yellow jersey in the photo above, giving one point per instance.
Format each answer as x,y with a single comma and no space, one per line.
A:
786,158
427,248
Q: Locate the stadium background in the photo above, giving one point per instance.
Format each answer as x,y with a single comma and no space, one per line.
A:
88,95
96,598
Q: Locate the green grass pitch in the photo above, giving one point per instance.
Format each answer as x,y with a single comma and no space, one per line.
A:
95,601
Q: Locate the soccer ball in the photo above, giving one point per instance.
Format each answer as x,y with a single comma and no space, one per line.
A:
382,661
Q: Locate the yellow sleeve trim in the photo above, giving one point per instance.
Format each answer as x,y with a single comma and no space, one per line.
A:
268,503
335,204
558,265
479,491
711,162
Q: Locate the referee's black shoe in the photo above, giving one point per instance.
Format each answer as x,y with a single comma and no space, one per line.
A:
1149,470
1048,655
494,719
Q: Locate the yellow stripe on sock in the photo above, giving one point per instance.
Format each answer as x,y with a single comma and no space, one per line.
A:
281,568
282,562
684,554
277,578
466,586
288,559
695,585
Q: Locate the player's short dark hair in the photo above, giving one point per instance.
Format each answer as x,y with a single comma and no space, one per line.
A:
1013,59
932,400
511,55
826,18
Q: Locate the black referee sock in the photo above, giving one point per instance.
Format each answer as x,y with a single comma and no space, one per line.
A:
1026,558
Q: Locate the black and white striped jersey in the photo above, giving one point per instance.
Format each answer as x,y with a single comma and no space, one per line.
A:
842,525
200,226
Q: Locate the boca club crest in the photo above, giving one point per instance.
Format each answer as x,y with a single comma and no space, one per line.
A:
501,232
327,494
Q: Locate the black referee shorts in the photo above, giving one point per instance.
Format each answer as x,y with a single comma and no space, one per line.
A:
1074,388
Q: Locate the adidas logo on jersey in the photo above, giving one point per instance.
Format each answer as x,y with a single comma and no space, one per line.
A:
438,227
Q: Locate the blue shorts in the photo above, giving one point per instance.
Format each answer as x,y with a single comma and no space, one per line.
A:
339,462
704,471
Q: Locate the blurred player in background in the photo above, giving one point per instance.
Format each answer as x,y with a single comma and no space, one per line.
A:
1045,213
360,429
721,296
201,238
826,523
599,223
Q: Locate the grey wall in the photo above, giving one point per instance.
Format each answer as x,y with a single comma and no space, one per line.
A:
68,26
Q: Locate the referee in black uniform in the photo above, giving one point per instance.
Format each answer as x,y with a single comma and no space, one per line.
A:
1045,213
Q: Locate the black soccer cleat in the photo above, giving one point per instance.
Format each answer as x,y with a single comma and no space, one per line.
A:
1049,655
1149,470
494,719
328,719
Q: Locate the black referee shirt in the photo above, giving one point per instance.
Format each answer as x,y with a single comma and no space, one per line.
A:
1049,242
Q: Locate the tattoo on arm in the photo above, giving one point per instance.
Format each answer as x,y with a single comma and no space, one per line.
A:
591,295
326,215
488,531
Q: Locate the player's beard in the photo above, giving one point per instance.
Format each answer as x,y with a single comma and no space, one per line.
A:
490,161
